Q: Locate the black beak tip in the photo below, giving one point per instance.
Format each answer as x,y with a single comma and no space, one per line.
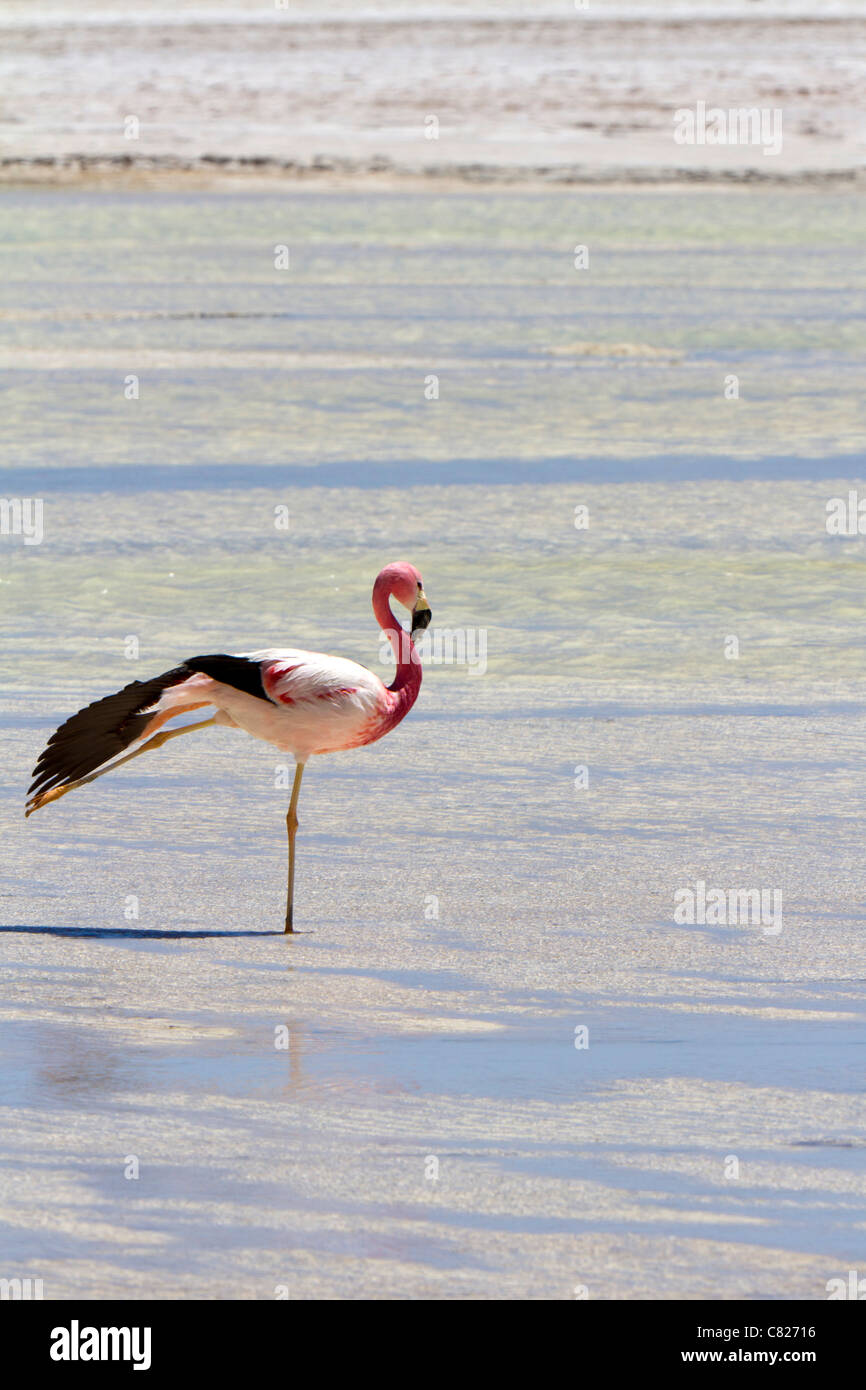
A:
421,621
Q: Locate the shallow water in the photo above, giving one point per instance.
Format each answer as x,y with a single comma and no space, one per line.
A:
412,1035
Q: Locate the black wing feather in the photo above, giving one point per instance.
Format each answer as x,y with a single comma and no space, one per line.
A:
101,731
104,729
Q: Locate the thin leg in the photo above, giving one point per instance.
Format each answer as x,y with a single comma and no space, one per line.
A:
291,827
42,799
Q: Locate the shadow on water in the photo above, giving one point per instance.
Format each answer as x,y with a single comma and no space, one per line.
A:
136,933
146,476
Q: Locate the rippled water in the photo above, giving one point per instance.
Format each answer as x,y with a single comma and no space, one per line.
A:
557,388
414,1034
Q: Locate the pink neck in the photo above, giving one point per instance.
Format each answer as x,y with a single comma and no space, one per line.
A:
407,682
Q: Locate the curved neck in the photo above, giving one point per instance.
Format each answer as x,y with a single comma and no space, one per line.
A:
407,681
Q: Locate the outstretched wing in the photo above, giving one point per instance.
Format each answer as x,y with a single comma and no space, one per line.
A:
103,730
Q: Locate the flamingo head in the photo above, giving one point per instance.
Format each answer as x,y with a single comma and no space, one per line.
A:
402,581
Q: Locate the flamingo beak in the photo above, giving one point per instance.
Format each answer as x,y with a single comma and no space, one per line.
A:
421,615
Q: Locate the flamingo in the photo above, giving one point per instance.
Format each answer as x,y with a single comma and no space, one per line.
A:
302,702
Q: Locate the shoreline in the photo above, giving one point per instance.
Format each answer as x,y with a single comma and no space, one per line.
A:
218,173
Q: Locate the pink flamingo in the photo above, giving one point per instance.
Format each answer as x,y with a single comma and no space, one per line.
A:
303,702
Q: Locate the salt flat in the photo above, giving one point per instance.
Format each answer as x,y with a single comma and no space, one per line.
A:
434,88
